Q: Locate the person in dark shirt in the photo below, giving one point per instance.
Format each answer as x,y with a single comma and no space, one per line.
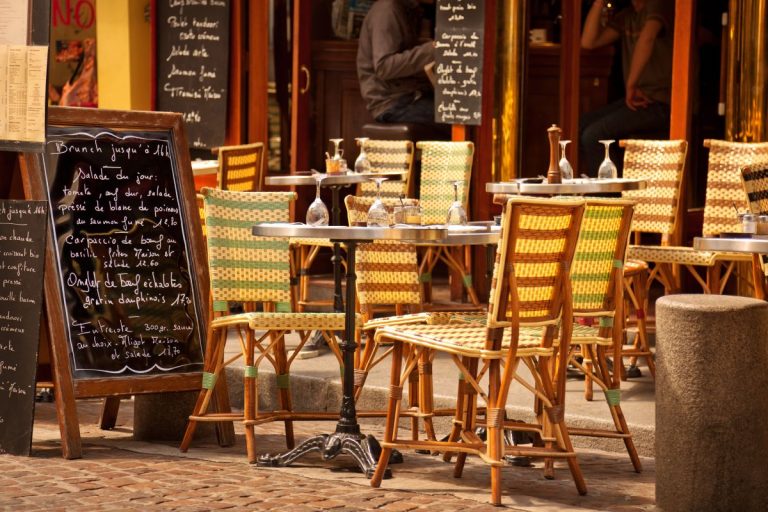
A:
646,32
391,61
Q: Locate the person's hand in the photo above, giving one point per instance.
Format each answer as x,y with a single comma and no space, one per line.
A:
636,98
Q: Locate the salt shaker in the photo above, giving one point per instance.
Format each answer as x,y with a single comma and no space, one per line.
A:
748,223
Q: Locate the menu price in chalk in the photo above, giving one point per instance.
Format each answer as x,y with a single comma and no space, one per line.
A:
22,249
125,271
458,61
193,66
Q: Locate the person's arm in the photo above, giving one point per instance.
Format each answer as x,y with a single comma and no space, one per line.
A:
593,35
640,56
388,61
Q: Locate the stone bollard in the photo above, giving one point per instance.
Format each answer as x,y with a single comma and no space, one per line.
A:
711,403
163,417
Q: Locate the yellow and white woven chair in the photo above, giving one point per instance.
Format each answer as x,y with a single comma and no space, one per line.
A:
724,194
388,156
253,270
596,277
662,163
755,180
442,164
531,289
241,167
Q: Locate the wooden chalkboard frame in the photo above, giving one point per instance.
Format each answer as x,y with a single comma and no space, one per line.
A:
66,388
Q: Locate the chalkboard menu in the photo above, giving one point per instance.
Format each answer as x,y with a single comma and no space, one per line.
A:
22,249
192,66
458,61
122,248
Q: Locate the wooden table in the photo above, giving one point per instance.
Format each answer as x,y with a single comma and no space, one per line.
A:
753,244
577,186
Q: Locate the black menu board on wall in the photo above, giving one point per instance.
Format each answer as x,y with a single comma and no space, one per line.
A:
22,249
122,245
192,66
459,61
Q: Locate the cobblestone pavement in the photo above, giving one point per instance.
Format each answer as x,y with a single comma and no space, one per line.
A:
117,473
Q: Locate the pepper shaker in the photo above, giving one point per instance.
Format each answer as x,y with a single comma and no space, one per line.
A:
553,173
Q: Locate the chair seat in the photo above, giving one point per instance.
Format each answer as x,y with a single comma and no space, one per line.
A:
322,242
294,321
589,334
682,255
634,267
465,340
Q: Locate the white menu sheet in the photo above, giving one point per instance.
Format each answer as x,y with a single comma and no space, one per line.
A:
14,21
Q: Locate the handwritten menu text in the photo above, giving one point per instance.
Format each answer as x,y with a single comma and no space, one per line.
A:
192,66
124,265
458,61
22,249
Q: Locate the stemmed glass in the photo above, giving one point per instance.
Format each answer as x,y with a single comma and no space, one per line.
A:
456,213
317,213
607,169
378,216
337,153
362,164
565,166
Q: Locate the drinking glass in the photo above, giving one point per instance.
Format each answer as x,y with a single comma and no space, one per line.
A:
337,152
565,166
317,213
378,216
607,169
456,213
362,164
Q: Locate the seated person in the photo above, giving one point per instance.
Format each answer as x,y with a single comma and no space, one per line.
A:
391,61
646,32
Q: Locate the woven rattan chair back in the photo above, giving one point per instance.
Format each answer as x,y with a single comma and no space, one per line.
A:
443,163
755,180
599,257
241,167
388,156
387,271
243,267
662,163
357,207
724,188
534,254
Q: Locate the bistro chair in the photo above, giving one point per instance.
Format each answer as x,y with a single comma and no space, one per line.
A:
531,289
387,156
442,164
241,168
383,155
662,164
253,270
724,194
596,277
755,180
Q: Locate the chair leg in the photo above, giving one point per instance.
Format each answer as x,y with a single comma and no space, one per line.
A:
586,354
616,413
426,405
284,389
393,407
250,397
466,412
214,362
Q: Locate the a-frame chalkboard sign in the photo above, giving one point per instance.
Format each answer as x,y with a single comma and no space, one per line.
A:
126,294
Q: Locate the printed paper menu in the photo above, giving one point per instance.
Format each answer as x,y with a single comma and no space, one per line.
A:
23,72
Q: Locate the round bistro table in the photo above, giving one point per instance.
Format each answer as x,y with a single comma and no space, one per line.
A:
753,244
347,438
576,186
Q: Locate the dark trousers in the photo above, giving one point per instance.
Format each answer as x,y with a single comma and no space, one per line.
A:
617,121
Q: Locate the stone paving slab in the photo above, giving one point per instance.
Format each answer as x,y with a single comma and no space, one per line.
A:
118,473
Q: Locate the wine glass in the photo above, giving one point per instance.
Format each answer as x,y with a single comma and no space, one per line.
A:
362,164
378,216
317,213
337,152
565,166
456,213
607,169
